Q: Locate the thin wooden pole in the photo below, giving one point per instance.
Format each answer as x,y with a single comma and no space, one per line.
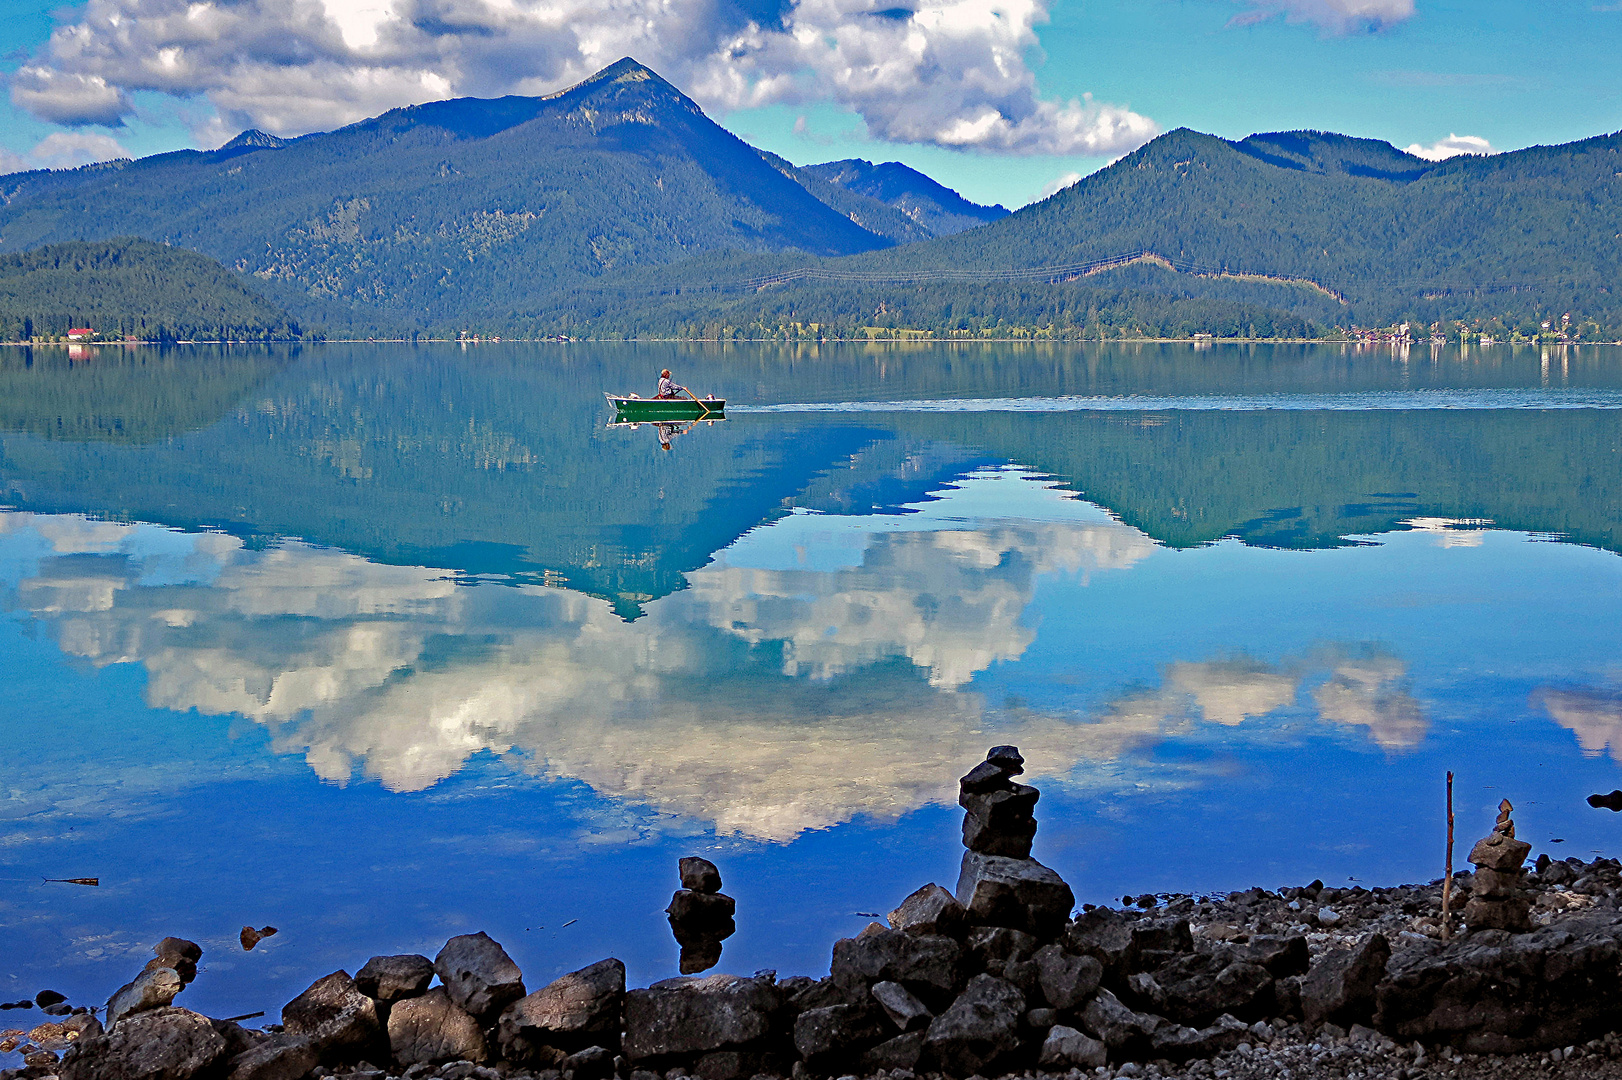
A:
1447,880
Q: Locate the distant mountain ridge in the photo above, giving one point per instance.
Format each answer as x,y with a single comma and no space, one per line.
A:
616,206
936,207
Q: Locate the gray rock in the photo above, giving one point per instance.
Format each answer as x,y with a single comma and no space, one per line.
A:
1280,955
592,1063
991,948
82,1025
734,1065
478,974
1499,852
930,910
576,1011
1018,893
1179,1043
700,875
1067,1048
1496,993
901,1052
904,1010
163,1044
391,978
1340,987
1041,1019
282,1057
1006,757
334,1016
1000,822
834,1037
1067,980
179,954
238,1039
431,1029
985,776
1118,1026
1508,913
698,1014
699,909
1196,988
154,988
1107,936
926,965
979,1028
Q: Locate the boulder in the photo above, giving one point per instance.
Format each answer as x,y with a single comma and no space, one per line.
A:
691,1015
337,1018
833,1037
153,988
1018,893
736,1065
1066,1048
478,974
1107,936
1491,992
161,1044
986,776
1512,913
1179,1043
1000,822
991,948
570,1013
701,909
904,1010
1067,980
179,954
901,1052
927,965
238,1039
592,1063
1339,987
1118,1026
1197,988
391,978
1006,758
979,1028
281,1057
432,1029
700,875
1280,955
1500,852
930,911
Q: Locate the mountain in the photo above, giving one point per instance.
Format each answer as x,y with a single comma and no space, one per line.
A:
131,287
934,206
432,212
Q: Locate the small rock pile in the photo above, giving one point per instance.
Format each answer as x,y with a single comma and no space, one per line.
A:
997,979
701,915
1497,898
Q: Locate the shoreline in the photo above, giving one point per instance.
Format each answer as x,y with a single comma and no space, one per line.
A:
1005,976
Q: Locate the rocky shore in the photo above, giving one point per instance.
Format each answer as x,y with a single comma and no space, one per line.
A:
1000,977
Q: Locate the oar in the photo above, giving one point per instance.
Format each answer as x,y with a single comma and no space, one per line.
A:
700,404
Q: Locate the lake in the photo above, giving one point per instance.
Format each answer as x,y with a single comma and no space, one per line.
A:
378,644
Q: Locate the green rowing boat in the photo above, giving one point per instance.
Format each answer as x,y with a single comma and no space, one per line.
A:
641,408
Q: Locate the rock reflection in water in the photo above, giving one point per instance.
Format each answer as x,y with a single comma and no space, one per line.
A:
701,915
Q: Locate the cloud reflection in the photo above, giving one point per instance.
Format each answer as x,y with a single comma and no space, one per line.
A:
768,699
1595,718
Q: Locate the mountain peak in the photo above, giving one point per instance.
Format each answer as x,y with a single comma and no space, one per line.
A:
254,139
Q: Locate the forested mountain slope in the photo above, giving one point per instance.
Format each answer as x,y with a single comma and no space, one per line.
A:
411,214
934,206
131,287
1390,233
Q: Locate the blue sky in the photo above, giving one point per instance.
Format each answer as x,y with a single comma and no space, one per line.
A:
991,100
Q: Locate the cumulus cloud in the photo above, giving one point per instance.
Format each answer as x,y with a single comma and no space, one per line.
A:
1056,185
1333,16
1595,718
63,150
949,72
1452,146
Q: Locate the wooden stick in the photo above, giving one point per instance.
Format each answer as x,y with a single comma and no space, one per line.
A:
1447,881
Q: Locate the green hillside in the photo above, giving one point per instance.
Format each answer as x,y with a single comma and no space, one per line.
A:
934,206
415,216
131,288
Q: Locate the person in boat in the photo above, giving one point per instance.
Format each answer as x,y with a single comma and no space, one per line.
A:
667,387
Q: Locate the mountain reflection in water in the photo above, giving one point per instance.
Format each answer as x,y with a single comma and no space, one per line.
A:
381,643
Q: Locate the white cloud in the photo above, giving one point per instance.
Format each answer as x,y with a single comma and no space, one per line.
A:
1595,718
1452,146
63,150
949,72
1334,16
1056,185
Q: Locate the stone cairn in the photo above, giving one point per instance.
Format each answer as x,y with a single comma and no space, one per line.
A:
1497,900
701,915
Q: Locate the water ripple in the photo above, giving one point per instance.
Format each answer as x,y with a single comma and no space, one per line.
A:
1361,401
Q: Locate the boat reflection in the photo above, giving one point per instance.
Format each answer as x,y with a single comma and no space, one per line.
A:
668,431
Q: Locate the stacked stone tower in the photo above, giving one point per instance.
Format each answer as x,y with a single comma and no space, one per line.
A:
1496,897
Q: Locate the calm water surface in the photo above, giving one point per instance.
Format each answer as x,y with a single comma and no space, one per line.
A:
380,644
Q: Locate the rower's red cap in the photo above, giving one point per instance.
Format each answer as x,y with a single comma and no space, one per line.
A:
665,374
